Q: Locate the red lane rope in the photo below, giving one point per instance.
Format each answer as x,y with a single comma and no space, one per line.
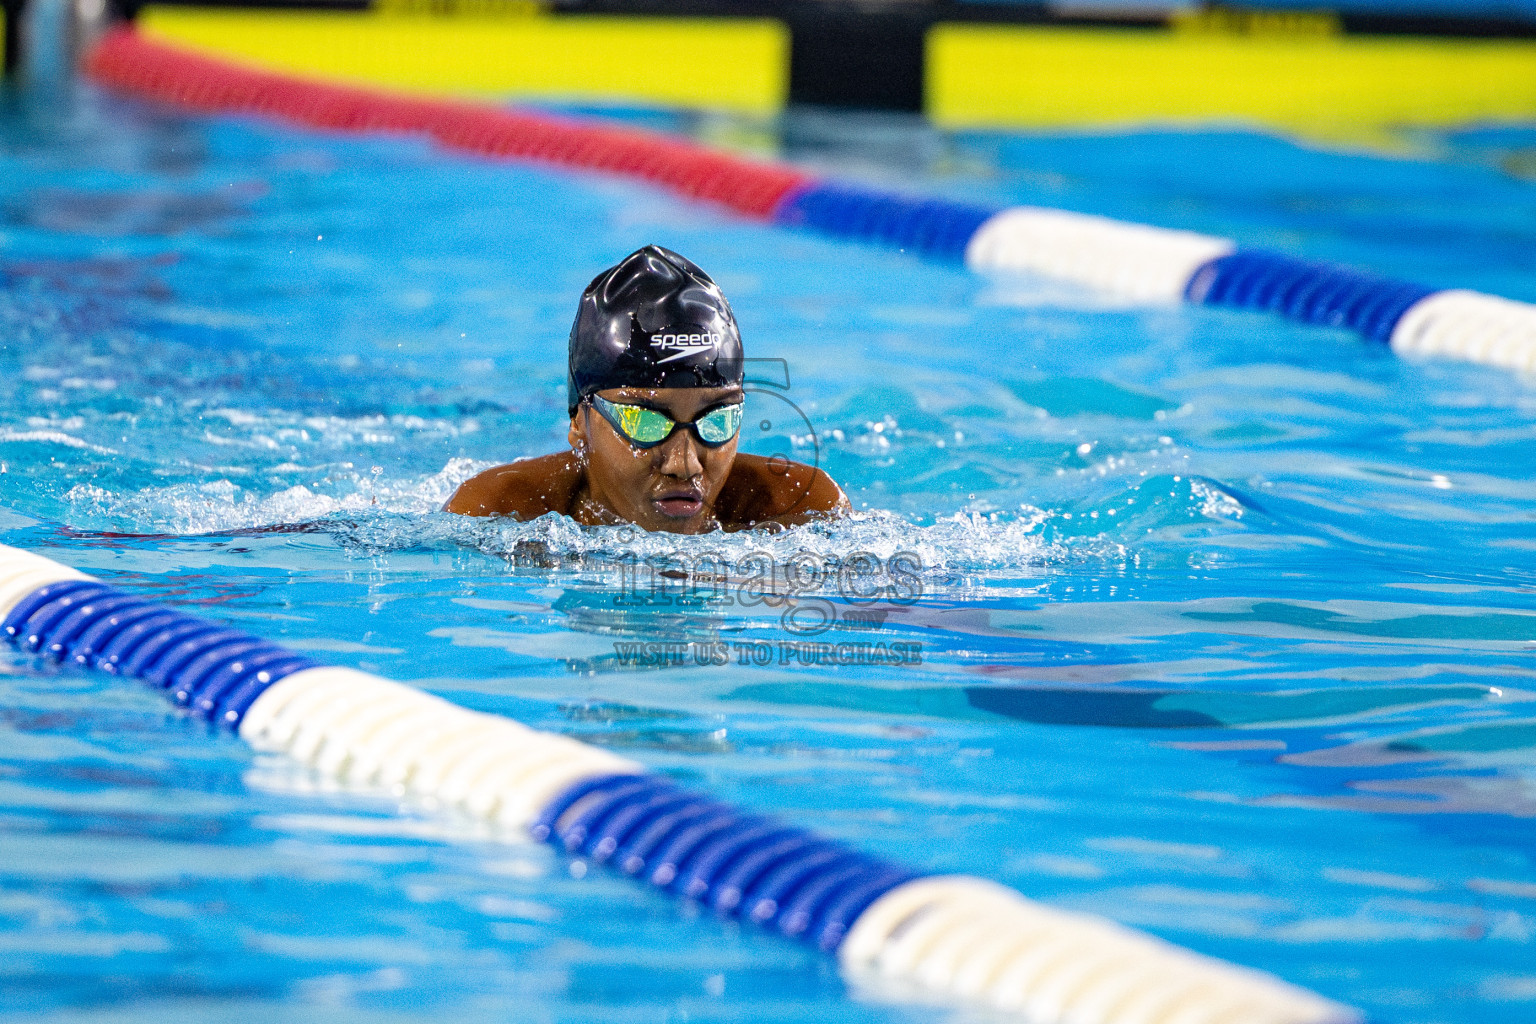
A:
128,62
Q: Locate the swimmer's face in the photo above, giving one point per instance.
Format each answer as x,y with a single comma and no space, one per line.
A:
670,487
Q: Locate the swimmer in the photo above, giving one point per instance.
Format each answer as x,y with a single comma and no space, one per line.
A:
656,401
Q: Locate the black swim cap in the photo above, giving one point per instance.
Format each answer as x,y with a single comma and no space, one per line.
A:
653,321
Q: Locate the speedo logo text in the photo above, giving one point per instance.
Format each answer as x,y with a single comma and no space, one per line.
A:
683,345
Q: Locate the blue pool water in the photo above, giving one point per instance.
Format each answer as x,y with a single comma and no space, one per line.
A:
1227,626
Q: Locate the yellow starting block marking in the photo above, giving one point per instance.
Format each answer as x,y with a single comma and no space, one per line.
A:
1301,78
502,49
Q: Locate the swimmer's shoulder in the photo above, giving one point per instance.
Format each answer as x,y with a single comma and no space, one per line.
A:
525,489
763,491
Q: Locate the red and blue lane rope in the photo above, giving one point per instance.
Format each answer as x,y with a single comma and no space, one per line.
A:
1140,262
125,61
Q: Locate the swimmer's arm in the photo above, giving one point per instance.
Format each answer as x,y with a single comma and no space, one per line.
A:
773,492
822,498
524,490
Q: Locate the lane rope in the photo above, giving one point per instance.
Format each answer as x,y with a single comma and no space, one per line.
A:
1134,262
955,937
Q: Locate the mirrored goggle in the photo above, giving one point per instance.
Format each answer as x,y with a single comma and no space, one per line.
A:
646,428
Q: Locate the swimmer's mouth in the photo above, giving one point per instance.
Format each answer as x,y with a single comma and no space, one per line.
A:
680,504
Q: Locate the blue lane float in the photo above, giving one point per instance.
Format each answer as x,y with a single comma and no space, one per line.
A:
216,673
933,228
1307,291
738,864
955,938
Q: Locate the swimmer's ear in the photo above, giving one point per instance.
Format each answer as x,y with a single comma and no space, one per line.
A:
577,435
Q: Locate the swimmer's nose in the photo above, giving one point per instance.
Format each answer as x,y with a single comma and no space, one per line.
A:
680,457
